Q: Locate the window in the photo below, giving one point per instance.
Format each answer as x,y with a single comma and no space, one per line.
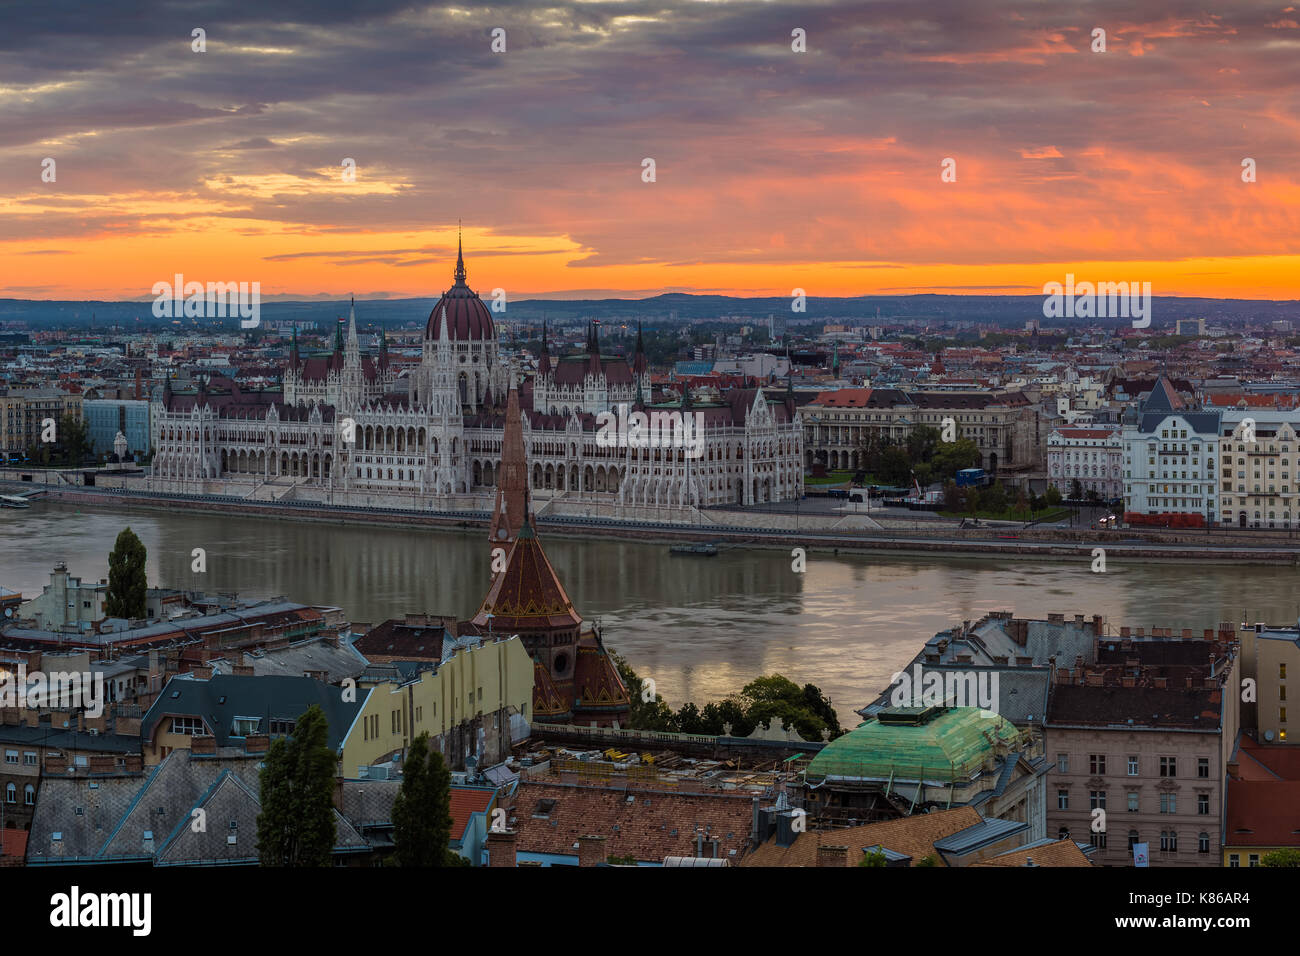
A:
1132,801
1203,843
1169,841
1203,804
1254,859
29,758
1168,803
29,795
243,726
1063,799
1132,766
11,756
188,726
1203,767
1097,763
1168,766
1234,860
11,793
1096,799
1133,839
1098,839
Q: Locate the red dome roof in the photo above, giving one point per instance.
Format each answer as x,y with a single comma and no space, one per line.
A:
468,319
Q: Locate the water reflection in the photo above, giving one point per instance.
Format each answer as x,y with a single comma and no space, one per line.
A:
701,627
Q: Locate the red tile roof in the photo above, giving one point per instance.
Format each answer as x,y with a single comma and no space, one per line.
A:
13,844
465,802
646,824
1261,813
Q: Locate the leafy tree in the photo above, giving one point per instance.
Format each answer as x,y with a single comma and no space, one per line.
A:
951,457
72,440
127,583
296,825
874,858
628,860
1283,857
804,709
422,809
1076,489
1022,503
951,496
994,498
652,714
1052,496
928,860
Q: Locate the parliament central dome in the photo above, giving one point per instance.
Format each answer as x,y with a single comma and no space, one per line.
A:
467,318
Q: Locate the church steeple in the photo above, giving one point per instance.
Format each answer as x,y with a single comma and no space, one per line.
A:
460,258
511,507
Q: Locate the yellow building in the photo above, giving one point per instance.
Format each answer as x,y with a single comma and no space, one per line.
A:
465,706
1269,655
23,410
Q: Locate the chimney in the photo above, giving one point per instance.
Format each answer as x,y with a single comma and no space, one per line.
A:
201,671
55,763
591,850
257,744
1125,631
242,670
134,763
501,848
832,855
101,763
1187,633
206,744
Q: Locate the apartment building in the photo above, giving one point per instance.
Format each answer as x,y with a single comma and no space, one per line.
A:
23,410
480,688
1144,736
1170,454
1092,456
1260,486
1270,656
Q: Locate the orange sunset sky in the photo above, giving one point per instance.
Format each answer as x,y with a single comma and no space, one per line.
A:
775,169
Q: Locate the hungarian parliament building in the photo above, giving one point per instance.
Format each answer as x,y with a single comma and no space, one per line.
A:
347,429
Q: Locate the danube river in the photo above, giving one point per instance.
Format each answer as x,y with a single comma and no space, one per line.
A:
701,627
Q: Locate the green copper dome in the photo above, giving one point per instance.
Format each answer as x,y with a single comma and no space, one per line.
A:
912,743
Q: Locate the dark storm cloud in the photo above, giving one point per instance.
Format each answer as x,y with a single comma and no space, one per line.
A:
761,153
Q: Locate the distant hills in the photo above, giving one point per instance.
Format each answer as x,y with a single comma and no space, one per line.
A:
1000,310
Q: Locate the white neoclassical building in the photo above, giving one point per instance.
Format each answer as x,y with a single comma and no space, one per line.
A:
346,429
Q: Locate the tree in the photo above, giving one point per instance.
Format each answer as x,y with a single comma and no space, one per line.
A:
874,858
1022,503
647,711
951,496
296,825
1052,496
994,498
1076,489
127,584
422,809
805,709
1283,857
73,440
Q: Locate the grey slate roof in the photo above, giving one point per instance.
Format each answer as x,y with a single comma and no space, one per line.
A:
223,697
120,820
69,740
981,834
296,659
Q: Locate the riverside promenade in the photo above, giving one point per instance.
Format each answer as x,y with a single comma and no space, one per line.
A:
743,528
